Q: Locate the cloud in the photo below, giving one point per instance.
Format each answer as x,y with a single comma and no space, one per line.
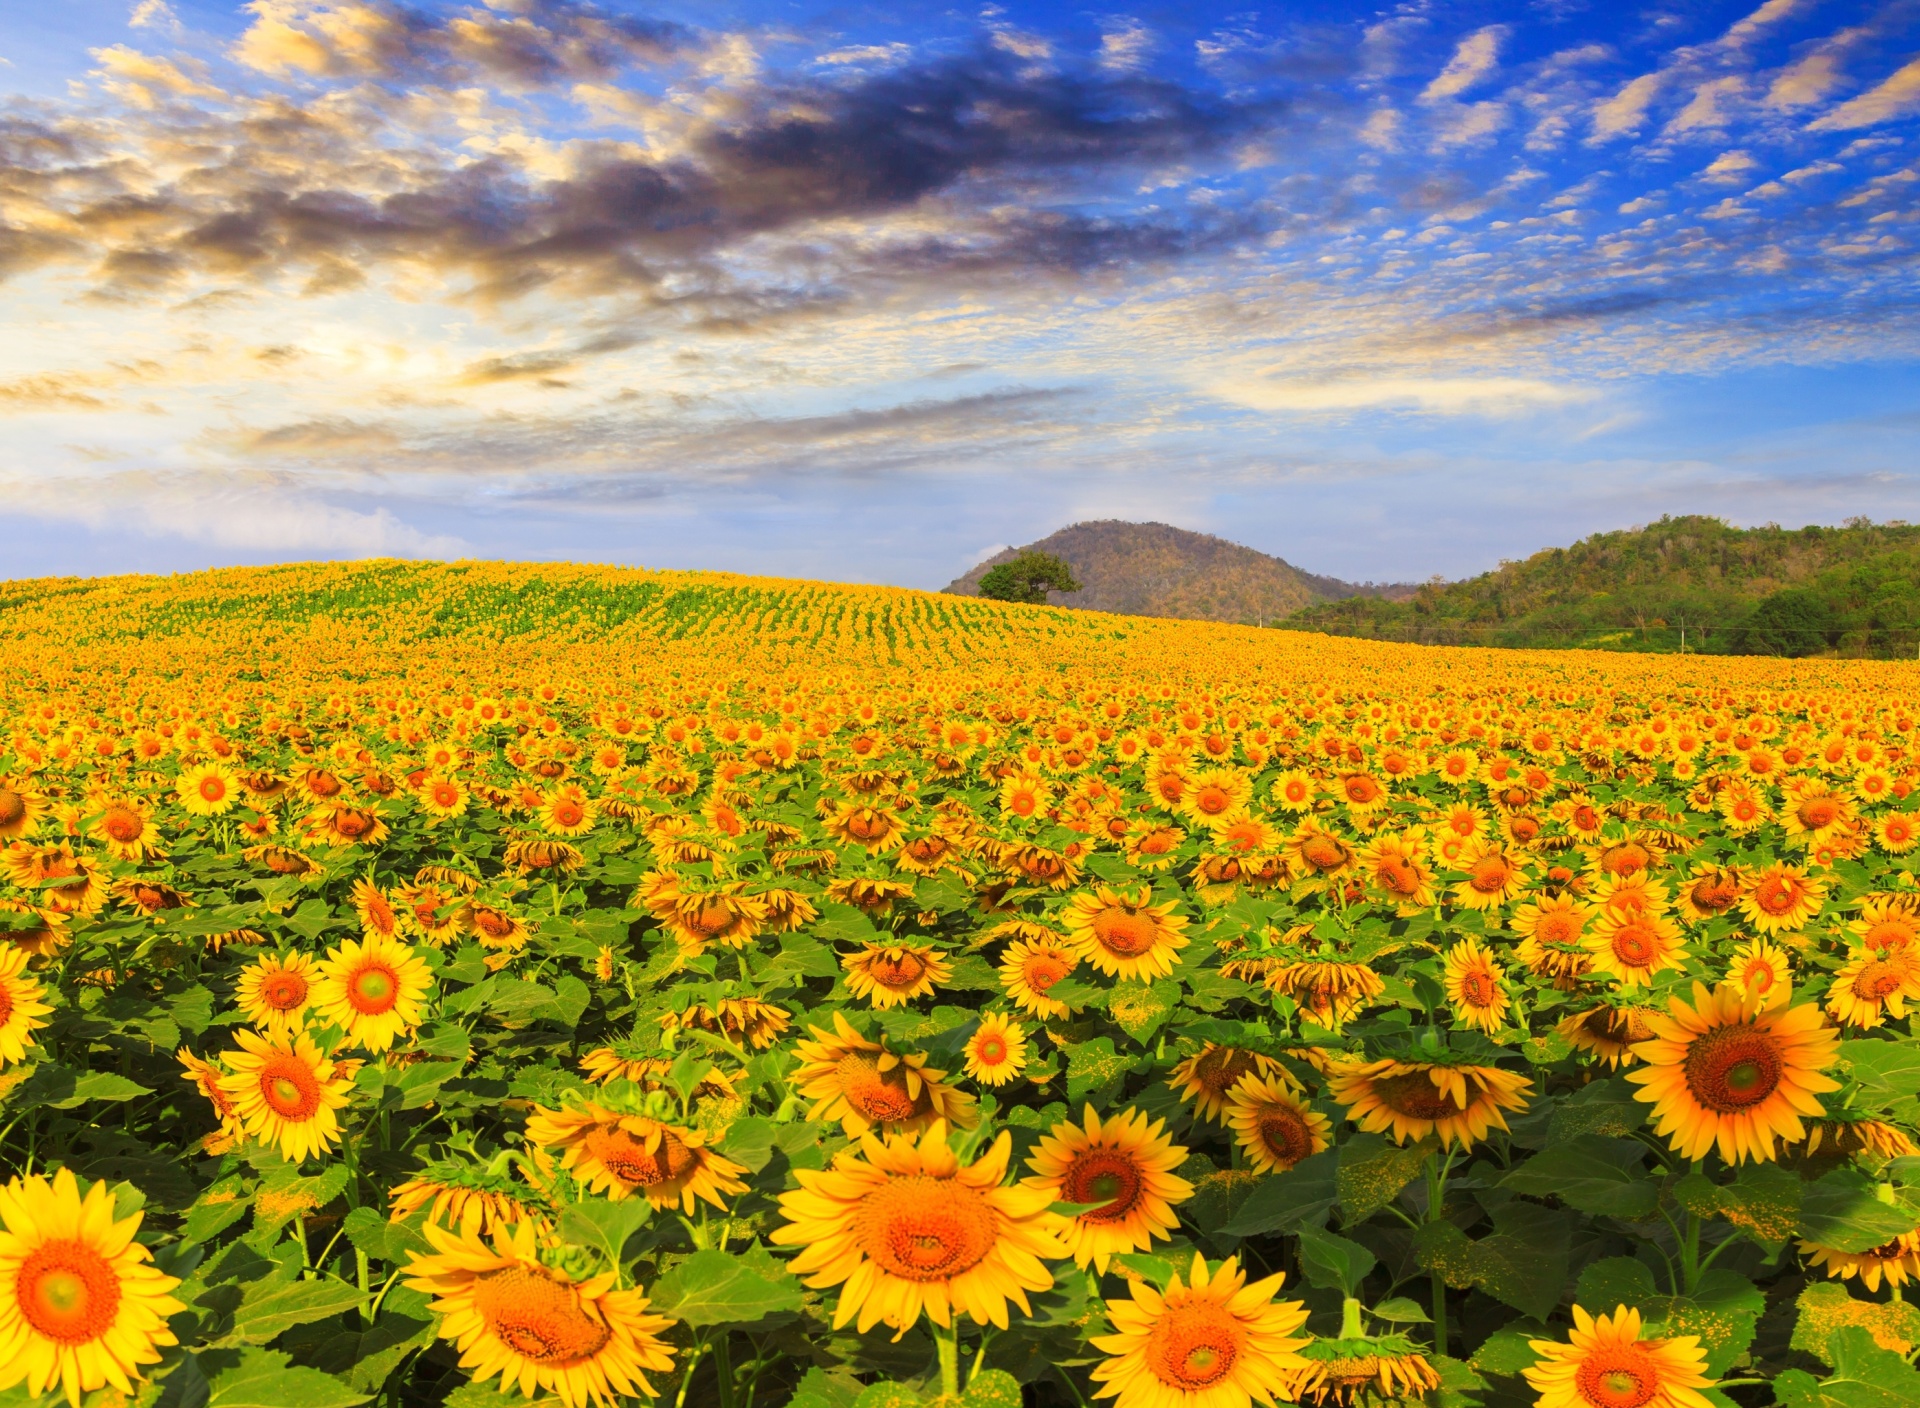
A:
1493,397
1623,113
1477,56
1895,97
155,14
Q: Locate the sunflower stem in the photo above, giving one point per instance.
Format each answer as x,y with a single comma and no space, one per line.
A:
723,1366
1350,1326
1690,1246
948,1341
1436,1209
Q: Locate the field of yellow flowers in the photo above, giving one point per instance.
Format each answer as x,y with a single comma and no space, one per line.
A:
465,984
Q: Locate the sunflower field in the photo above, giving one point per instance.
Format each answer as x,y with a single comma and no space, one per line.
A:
471,984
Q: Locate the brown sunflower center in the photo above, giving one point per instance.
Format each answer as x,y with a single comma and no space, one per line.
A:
1415,1096
537,1316
1734,1068
1284,1135
1194,1346
898,968
1878,980
492,922
1777,894
67,1291
1478,988
1635,945
1219,1070
1714,895
881,1096
925,1229
290,1088
1398,876
6,1004
1560,926
1889,933
636,1161
352,822
1817,812
1125,932
869,825
1103,1176
1324,852
713,918
1620,1376
13,806
374,990
283,991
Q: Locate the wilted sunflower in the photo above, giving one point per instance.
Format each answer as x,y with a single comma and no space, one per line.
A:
1360,1371
1028,970
620,1155
865,1086
1321,859
20,1005
1209,1341
20,809
1844,1135
906,1230
1632,950
536,1327
1734,1070
344,824
1410,1100
892,975
627,1061
1887,922
724,914
1606,1364
739,1019
1126,935
206,1078
81,1304
374,991
1125,1163
1871,987
1896,1262
1330,989
285,1090
275,990
1783,899
1273,1123
463,1197
997,1051
1493,878
1711,891
1608,1032
1472,981
1396,867
876,829
1207,1077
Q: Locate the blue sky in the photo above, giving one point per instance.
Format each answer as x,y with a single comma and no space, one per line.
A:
865,292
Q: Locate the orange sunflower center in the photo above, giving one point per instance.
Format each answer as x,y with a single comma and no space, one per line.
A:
925,1229
283,991
351,822
899,969
446,794
537,1316
712,918
1284,1134
1125,932
1416,1096
1635,945
1042,970
1398,876
12,806
289,1087
1734,1068
1490,875
1220,1069
68,1292
1889,934
631,1160
990,1050
869,825
1818,812
1103,1176
1156,843
879,1095
1714,895
1777,894
568,813
1194,1346
492,922
1324,852
1560,926
1478,988
1620,1376
373,990
6,1003
1878,981
123,825
212,789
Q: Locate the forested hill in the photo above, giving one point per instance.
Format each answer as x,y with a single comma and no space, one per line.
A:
1853,590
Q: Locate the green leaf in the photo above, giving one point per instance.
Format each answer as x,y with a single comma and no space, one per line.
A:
1138,1009
520,1000
1523,1264
1763,1201
56,1087
1723,1311
272,1305
1825,1308
1286,1202
1886,1070
1506,1351
1605,1107
992,1388
1092,1065
1841,1211
263,1378
1399,1310
720,1288
1372,1173
474,1394
887,1394
1864,1376
825,1388
1078,993
383,1240
1333,1263
1593,1173
604,1225
192,1010
571,998
365,1357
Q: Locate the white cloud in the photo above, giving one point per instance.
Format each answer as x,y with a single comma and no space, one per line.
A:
1730,169
1491,396
155,14
1622,114
1126,47
1477,56
1896,97
864,54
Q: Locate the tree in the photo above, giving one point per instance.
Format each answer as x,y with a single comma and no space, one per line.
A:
1029,577
1794,622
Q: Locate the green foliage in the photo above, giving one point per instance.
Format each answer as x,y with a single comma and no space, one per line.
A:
1028,578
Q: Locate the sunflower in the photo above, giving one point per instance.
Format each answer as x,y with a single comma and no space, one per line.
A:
1711,891
1216,795
81,1304
738,1019
1759,967
1319,857
494,927
344,824
1782,899
905,1229
1610,1033
1897,833
624,1061
1028,970
1273,1123
20,1005
285,1090
20,809
275,991
1814,812
442,798
892,975
127,831
1493,878
1848,1135
865,1086
876,829
1607,1364
1871,987
536,1327
1744,810
1025,795
1363,1370
1396,867
1552,930
997,1050
461,1196
206,1078
1734,1070
1412,1100
1125,935
1294,791
1895,1262
207,789
1887,922
724,914
620,1155
1210,1074
1328,988
1125,1164
568,811
1472,981
1210,1341
1632,950
373,991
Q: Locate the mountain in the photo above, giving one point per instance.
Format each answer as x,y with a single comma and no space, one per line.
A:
1154,569
1853,590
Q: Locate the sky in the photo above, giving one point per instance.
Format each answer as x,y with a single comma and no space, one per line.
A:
865,292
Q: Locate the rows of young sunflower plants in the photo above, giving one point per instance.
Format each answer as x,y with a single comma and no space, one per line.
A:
865,1044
